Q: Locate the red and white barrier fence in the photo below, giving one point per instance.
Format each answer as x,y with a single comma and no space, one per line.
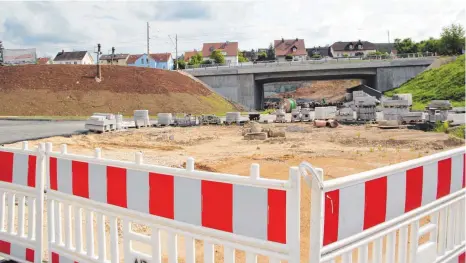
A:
357,208
257,215
98,209
21,203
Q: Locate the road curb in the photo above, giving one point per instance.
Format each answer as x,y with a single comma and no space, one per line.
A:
22,119
44,137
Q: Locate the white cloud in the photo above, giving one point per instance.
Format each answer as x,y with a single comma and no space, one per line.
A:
52,26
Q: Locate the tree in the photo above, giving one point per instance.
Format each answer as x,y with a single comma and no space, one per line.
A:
206,62
316,56
289,57
253,54
431,45
218,57
241,57
196,59
405,46
181,64
271,52
452,39
262,56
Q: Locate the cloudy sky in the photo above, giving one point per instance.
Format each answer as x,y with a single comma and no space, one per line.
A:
52,26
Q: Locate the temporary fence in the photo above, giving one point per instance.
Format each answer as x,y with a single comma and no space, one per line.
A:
408,212
417,207
256,215
21,192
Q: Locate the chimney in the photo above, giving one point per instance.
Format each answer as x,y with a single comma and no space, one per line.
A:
62,51
296,39
283,40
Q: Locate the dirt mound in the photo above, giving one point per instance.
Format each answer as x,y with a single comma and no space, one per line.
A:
331,90
72,90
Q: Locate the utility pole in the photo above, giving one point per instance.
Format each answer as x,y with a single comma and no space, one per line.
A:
388,31
99,72
176,49
148,65
1,53
113,54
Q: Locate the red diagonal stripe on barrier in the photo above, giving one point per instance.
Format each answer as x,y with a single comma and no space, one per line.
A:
217,205
29,255
5,247
116,186
462,258
331,214
414,179
276,229
53,173
6,164
161,195
55,258
80,178
444,178
375,203
32,170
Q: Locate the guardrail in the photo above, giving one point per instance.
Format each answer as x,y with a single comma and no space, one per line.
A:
329,60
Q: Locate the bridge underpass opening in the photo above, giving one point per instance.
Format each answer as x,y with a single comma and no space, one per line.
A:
330,90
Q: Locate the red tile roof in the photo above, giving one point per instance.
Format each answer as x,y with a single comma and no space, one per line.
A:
42,61
285,47
132,59
189,54
231,48
161,57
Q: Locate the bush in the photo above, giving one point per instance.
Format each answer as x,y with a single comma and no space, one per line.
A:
289,57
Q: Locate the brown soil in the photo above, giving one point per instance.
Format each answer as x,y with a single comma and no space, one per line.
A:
331,90
340,152
68,90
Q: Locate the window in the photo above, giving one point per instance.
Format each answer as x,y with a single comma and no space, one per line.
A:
224,53
142,61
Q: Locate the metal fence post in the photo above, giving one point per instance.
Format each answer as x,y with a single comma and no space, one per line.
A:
317,218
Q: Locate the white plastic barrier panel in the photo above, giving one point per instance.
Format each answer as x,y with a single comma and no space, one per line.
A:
176,207
22,172
371,213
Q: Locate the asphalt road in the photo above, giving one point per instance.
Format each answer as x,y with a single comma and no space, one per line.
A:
15,131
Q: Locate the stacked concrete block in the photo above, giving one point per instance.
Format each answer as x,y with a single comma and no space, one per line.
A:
438,110
306,114
412,117
164,119
296,115
344,114
324,113
101,122
141,118
233,117
280,116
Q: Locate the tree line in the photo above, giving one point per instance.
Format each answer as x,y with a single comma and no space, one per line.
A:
451,42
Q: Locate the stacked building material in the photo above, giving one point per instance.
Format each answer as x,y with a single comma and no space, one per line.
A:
164,119
141,118
233,117
280,116
437,110
101,122
306,114
296,115
325,113
344,114
186,121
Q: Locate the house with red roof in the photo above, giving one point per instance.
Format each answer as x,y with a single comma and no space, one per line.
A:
156,60
44,61
189,54
228,49
290,49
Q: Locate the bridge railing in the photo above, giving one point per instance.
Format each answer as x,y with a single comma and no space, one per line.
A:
276,63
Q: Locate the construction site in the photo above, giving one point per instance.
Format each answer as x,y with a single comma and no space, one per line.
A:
171,116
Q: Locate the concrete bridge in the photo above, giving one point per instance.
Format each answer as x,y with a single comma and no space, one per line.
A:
245,85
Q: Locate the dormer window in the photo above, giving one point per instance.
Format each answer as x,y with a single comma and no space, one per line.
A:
350,46
360,46
294,49
211,49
